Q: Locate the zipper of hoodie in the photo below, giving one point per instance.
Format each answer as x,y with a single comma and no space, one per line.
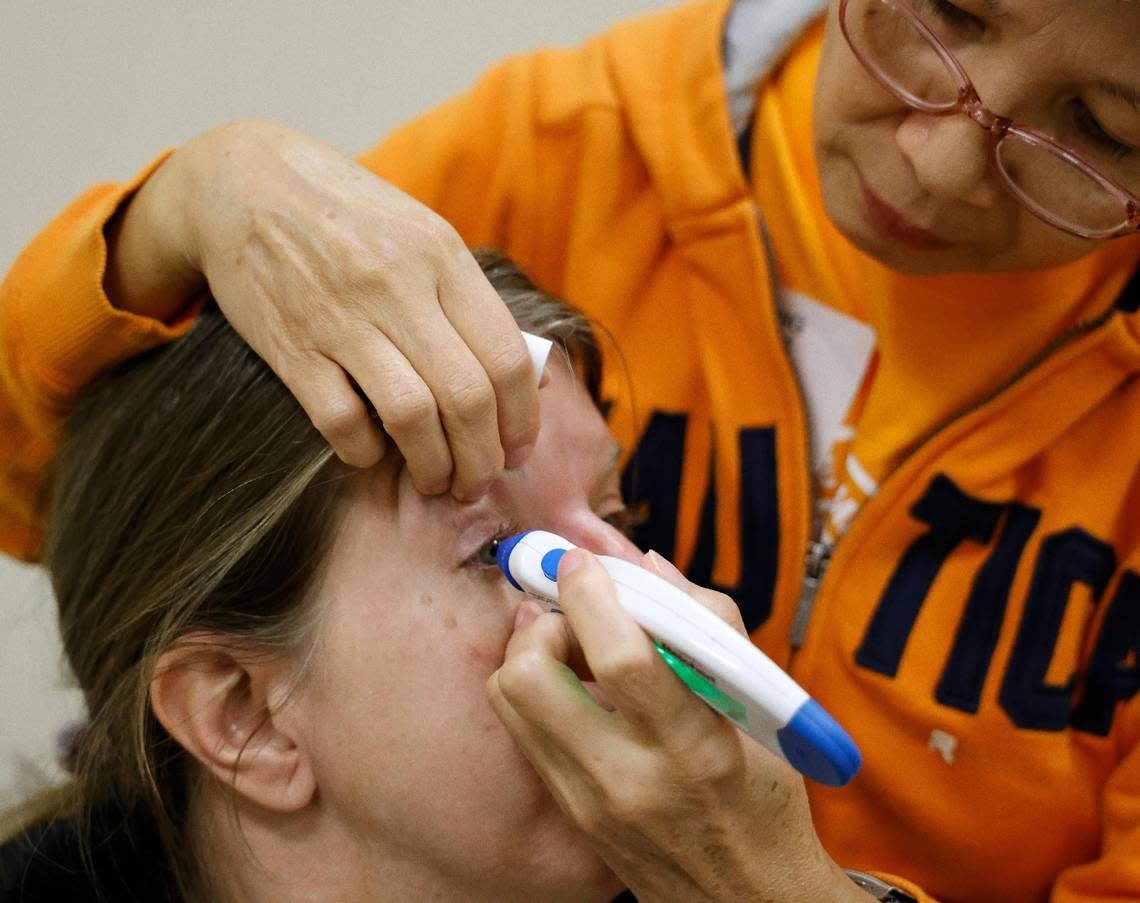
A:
819,552
818,555
818,560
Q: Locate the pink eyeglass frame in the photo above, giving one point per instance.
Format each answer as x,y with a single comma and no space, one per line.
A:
998,127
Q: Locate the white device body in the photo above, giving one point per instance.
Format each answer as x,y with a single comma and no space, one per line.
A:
539,350
709,646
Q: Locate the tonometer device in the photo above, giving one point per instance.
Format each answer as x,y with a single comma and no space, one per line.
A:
718,664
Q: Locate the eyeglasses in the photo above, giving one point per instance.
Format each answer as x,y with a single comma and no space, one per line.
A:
1055,183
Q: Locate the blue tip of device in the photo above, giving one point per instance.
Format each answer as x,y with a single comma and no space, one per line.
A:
503,557
817,747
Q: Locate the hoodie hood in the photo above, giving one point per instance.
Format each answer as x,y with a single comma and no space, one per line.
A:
689,89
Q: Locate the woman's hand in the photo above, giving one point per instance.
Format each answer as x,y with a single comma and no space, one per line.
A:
347,288
681,804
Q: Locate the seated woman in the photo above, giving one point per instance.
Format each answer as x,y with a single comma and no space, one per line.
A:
284,659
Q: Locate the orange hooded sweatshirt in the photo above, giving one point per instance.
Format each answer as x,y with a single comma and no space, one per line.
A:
977,628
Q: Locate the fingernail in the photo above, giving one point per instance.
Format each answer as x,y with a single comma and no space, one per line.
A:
663,567
438,487
517,456
570,562
477,492
526,613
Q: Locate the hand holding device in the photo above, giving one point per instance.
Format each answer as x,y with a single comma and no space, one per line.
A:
722,667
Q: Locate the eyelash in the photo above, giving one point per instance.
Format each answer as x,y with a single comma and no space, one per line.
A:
952,15
484,556
626,519
1095,132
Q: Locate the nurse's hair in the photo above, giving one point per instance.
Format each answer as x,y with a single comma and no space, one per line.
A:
193,497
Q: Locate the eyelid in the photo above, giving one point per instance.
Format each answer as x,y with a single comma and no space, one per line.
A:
1093,129
500,532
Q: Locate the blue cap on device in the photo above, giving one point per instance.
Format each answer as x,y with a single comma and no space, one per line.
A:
503,557
816,746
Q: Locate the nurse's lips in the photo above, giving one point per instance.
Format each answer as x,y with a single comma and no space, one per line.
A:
892,223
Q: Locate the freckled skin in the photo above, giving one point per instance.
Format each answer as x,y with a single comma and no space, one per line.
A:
409,754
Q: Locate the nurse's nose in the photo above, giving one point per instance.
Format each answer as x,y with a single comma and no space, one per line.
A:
951,158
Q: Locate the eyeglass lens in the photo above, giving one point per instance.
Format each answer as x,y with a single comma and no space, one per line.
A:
1045,180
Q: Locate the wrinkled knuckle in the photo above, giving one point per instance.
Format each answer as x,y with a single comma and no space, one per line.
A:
629,668
337,419
628,804
408,411
519,674
434,477
472,402
509,365
713,762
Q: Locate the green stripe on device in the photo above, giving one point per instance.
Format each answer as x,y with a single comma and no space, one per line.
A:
706,689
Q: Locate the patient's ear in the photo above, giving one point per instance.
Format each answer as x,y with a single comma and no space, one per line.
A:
221,706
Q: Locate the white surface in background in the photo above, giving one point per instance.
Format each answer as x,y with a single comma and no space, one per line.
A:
91,91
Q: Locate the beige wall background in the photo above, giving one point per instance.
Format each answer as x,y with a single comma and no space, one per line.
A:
89,91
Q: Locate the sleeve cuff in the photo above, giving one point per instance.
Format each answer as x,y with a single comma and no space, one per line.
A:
70,330
909,886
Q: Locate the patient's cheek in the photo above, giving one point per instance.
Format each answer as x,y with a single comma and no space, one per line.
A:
486,657
485,639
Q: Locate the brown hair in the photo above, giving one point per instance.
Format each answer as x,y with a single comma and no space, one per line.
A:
193,495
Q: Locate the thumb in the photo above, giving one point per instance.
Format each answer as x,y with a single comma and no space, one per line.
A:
718,603
666,570
526,614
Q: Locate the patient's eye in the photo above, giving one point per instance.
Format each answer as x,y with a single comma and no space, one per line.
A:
488,553
485,555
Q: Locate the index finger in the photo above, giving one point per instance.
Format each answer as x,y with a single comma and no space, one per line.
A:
623,658
478,314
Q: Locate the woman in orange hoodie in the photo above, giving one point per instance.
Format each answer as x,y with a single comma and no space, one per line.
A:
885,349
